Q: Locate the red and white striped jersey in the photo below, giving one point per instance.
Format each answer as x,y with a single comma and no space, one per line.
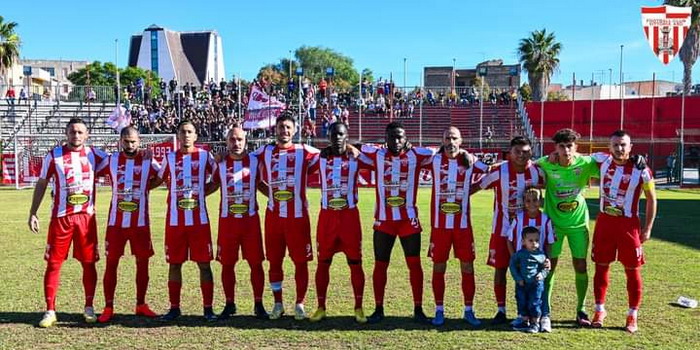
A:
339,181
509,187
397,181
73,175
130,177
541,221
239,181
621,187
186,175
285,171
452,181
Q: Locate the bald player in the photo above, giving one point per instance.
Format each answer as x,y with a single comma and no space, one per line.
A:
132,172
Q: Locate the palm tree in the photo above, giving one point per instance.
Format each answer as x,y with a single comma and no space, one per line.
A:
539,55
691,46
9,45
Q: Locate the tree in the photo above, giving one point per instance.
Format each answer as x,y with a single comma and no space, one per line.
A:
526,92
106,75
9,45
557,96
539,55
314,60
368,75
691,46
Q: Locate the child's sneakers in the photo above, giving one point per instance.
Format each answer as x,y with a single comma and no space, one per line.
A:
521,324
631,325
546,324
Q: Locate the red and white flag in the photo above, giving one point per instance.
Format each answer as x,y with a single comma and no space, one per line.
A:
665,28
119,119
262,110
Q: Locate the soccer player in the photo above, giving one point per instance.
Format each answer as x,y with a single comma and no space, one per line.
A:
131,173
284,169
566,207
239,224
187,233
451,227
72,168
618,235
339,228
509,180
397,169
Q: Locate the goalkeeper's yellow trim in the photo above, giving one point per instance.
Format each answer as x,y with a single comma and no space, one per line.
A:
648,186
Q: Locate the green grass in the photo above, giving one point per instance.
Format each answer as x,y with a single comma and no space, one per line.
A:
672,269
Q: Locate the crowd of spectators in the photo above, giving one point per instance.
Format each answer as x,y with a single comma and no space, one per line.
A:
214,106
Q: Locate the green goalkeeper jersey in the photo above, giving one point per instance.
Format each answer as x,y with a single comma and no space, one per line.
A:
564,202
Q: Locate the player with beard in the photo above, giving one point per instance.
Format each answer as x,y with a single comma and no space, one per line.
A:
71,168
397,169
132,173
238,176
618,234
451,226
509,180
284,169
339,228
187,232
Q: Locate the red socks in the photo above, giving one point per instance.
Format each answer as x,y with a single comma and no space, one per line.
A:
301,277
257,280
109,281
357,279
174,288
228,281
379,281
601,279
500,291
51,278
207,288
89,282
276,277
322,280
634,287
439,287
468,288
416,276
141,281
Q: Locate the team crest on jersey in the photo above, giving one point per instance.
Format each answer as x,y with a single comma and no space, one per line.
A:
577,171
195,165
137,170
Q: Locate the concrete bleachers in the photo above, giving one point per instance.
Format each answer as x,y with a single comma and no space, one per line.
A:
502,119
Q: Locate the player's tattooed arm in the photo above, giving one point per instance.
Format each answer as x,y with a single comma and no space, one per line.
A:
38,196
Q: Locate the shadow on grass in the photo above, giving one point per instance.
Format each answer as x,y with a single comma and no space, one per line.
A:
676,220
340,323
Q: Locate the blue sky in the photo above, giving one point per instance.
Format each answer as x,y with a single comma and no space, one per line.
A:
377,34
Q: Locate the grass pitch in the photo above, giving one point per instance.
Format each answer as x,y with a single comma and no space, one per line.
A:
672,270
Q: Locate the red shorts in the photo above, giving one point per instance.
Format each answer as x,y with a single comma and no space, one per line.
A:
499,256
442,240
287,233
81,229
400,228
239,234
617,235
188,242
139,239
339,231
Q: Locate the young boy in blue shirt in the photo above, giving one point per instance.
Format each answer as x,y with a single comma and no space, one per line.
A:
527,267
